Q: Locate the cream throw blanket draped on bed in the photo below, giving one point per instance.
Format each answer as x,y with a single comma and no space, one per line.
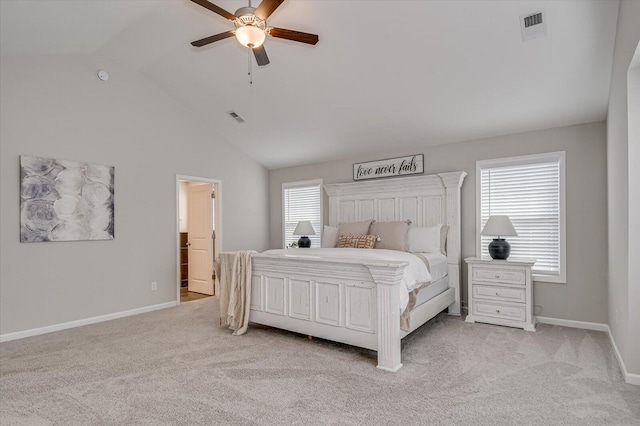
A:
235,289
405,318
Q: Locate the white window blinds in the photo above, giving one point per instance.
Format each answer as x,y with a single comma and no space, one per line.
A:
302,201
530,190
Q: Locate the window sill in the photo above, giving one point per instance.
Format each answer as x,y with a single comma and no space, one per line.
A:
548,279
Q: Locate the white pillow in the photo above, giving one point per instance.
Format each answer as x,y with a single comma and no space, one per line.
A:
424,239
329,237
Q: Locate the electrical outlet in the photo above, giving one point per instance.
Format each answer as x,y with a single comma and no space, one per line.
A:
154,286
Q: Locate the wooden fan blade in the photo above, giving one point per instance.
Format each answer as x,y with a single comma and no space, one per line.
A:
294,35
216,9
266,8
211,39
261,56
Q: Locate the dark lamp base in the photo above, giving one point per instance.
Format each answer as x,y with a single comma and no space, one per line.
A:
499,249
304,242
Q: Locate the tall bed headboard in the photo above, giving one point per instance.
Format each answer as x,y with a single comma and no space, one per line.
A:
425,200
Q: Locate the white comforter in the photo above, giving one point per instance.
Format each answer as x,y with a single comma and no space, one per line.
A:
415,274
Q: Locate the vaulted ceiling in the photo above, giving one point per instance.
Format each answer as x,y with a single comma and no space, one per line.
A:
384,75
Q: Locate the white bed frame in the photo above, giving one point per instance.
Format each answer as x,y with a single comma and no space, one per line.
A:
353,301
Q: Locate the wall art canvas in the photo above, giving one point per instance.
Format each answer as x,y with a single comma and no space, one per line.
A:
63,200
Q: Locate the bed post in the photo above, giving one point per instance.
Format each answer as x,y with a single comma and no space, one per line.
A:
452,183
388,278
332,192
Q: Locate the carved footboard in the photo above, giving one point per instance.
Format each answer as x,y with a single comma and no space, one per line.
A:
349,301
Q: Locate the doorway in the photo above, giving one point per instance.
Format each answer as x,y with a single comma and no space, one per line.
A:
198,219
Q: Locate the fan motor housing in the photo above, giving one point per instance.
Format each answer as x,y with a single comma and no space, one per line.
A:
245,16
245,11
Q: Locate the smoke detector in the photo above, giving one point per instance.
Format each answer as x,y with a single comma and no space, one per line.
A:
533,25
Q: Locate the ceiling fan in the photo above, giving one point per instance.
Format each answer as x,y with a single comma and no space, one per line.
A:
251,28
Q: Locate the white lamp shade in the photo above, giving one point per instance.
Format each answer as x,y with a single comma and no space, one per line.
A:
250,36
500,226
304,228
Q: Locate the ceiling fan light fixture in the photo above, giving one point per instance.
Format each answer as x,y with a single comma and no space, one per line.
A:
250,36
251,28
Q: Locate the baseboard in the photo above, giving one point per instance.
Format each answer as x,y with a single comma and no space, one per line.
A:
574,324
72,324
631,378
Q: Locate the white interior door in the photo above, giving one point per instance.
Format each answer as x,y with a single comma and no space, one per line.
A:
200,241
216,232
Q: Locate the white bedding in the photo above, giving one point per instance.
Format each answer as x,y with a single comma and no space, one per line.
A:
438,265
415,274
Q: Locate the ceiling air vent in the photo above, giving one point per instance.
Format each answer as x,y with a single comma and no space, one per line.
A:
236,117
533,26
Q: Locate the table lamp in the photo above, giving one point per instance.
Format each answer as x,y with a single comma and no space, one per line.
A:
304,228
499,226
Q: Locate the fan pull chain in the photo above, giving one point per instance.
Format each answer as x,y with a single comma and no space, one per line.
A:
250,62
250,67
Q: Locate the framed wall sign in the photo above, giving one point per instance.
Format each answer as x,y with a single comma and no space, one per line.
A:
401,166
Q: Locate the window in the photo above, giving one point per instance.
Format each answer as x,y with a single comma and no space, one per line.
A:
530,190
301,201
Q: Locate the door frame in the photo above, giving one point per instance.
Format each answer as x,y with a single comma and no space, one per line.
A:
218,185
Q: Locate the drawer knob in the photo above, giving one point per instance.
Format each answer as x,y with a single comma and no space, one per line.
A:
497,275
497,294
497,311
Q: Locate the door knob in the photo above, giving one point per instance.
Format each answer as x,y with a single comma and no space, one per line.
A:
188,244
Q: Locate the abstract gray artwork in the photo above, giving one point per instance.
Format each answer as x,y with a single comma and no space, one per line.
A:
64,200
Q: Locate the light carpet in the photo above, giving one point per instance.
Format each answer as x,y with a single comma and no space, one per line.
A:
176,366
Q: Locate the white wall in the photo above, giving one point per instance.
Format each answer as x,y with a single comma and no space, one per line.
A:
584,296
634,212
623,164
54,106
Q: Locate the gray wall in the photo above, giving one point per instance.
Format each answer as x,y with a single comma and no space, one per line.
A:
623,163
584,296
54,106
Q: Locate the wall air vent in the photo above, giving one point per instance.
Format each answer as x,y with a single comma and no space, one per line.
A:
236,117
532,20
533,25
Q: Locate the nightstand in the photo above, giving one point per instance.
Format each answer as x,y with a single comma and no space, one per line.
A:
501,292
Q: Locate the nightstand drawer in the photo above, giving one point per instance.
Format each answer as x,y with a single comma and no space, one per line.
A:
499,293
497,275
514,313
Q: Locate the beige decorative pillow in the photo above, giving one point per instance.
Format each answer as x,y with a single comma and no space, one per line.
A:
357,241
354,228
393,235
444,231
